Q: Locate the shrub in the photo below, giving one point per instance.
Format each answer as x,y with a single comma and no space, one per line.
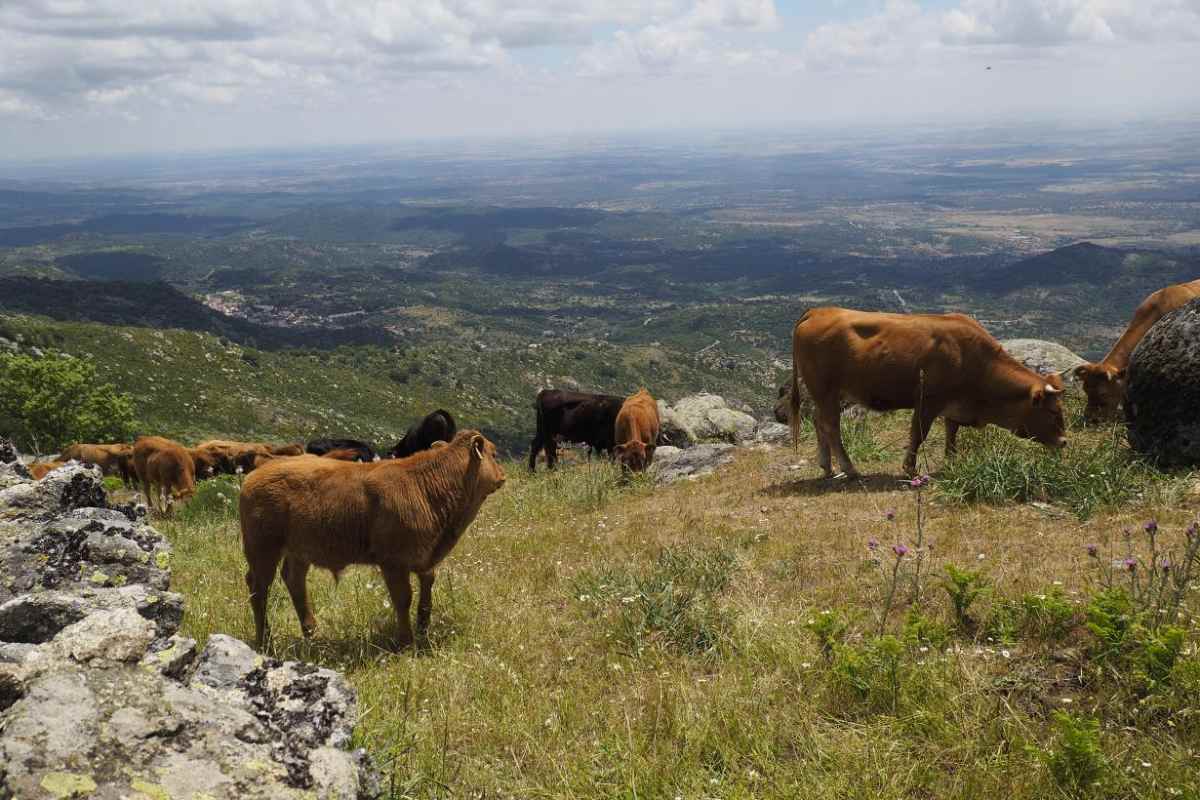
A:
995,467
1047,616
49,402
872,672
1076,763
963,587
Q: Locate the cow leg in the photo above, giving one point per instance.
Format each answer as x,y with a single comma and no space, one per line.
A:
535,447
829,426
425,601
295,577
400,589
951,438
922,421
258,579
551,452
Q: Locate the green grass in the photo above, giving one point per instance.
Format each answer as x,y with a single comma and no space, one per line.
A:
600,637
1093,473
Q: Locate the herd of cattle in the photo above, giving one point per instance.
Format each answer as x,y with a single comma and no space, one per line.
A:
335,502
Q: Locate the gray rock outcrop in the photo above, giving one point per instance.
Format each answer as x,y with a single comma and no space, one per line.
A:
101,697
672,430
1162,397
710,418
1042,356
672,464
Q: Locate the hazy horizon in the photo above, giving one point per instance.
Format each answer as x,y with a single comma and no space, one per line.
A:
115,77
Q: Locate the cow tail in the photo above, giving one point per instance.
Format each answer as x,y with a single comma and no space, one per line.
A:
794,399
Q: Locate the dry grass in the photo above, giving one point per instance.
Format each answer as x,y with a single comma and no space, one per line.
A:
564,660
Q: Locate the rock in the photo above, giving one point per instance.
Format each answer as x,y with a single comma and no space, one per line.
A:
709,417
100,696
672,464
773,433
1042,356
1163,390
672,430
8,451
224,662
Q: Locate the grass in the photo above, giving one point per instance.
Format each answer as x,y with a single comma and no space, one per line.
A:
594,637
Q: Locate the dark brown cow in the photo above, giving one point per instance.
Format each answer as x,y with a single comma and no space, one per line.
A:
636,431
573,417
943,365
1104,382
405,515
436,426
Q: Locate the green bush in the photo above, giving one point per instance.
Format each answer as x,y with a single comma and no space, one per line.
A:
1076,763
1047,616
995,467
49,402
963,586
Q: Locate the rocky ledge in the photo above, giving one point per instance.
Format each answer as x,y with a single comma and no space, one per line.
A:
101,697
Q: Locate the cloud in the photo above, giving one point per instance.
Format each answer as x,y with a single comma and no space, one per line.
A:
904,30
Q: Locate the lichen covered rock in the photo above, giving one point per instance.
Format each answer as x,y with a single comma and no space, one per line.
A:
710,418
101,697
1162,401
1042,356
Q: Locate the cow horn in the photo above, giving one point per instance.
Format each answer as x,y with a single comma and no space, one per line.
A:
1051,390
477,444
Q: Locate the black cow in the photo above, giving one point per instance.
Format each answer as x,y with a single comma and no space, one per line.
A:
438,426
319,447
573,417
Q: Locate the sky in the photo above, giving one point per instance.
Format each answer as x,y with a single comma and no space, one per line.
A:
81,77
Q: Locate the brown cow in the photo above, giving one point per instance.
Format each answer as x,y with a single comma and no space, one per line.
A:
163,467
403,515
112,459
936,364
230,456
1104,382
286,449
636,431
43,468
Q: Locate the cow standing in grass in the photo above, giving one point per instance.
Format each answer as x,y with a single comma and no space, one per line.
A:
573,417
404,515
1104,382
943,365
636,432
165,471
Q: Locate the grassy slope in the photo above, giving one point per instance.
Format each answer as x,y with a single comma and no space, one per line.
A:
569,658
191,386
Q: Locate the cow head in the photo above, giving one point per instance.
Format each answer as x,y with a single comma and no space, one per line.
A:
1105,389
783,404
632,455
1039,413
483,456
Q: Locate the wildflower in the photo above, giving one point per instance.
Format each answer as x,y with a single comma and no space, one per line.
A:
1165,564
890,514
1093,549
1130,563
1151,526
872,545
900,550
1192,531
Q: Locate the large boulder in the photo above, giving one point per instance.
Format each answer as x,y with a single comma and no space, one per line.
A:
101,697
1162,398
672,464
1042,356
672,430
710,418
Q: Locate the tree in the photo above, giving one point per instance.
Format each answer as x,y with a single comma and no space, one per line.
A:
49,402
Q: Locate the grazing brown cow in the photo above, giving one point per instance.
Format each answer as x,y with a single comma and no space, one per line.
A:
403,515
1104,382
936,364
43,468
163,467
636,431
112,459
229,457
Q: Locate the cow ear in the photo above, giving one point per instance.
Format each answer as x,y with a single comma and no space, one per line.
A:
477,442
1038,396
1081,371
1117,375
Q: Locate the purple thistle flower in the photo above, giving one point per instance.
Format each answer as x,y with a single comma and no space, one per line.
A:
1093,549
900,550
890,514
1165,564
1130,563
872,545
1151,526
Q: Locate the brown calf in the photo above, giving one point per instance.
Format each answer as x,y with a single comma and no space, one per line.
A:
636,431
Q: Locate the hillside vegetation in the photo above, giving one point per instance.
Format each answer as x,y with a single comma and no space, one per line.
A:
755,634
